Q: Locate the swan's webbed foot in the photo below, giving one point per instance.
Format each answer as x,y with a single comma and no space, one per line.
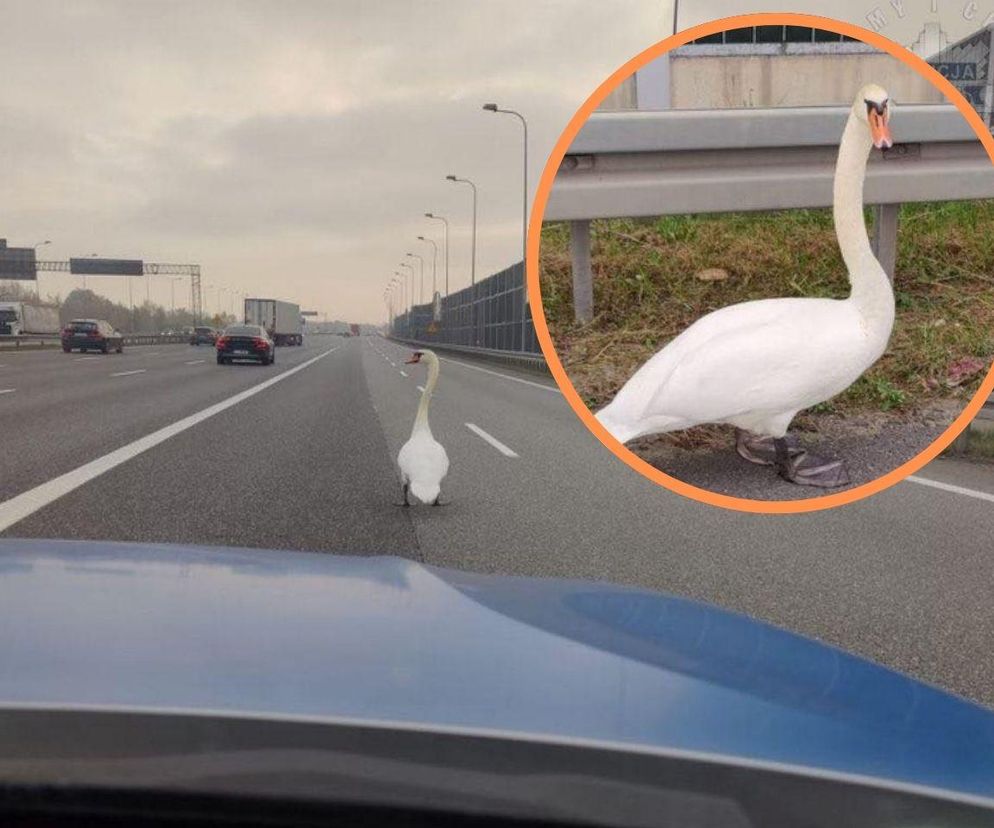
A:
406,504
759,449
806,469
438,502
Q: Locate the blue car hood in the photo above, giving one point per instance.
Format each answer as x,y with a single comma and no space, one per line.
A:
277,633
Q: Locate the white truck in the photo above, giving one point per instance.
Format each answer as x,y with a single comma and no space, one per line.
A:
281,319
21,318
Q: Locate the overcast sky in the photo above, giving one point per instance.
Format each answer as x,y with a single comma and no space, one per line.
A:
291,148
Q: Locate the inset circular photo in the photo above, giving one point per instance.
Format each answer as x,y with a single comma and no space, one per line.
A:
763,252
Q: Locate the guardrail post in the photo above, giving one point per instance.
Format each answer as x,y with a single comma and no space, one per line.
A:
583,275
884,240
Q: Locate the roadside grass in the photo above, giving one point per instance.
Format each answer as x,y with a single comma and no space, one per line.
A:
646,290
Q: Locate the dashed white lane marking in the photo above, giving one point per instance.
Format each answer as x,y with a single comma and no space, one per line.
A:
421,388
83,359
543,386
7,390
18,508
949,487
403,373
154,353
195,362
497,444
129,373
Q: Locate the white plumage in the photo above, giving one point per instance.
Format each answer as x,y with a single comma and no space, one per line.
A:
422,459
756,364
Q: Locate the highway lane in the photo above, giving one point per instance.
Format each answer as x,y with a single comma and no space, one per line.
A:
904,578
66,409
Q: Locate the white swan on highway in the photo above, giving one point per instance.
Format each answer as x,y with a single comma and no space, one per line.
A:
422,459
754,365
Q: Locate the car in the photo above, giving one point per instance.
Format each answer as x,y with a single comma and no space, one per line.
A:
245,342
203,335
92,335
224,682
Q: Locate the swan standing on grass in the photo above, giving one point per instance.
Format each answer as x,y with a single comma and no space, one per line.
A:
754,365
422,459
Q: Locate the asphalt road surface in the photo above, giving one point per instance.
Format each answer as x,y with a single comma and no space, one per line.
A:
161,444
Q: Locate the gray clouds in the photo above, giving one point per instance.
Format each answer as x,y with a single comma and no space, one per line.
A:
290,147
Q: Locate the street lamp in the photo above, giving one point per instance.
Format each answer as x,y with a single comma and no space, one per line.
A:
172,291
403,289
421,284
434,263
492,107
410,286
472,268
445,235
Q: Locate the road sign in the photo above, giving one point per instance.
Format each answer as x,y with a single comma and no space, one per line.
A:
17,262
107,267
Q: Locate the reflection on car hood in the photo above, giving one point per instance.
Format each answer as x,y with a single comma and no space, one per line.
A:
281,633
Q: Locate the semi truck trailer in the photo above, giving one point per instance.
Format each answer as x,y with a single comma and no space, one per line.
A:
21,318
281,319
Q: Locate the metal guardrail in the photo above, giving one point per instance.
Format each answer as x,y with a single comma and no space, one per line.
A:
29,341
628,164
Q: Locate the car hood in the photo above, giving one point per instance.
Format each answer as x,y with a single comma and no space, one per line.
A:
382,639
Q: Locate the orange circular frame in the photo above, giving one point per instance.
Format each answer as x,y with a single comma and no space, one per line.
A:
534,241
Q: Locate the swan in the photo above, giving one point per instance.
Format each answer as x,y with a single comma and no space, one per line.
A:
422,459
754,365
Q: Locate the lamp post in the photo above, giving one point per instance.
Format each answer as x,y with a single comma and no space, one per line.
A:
445,238
472,264
172,291
410,286
492,107
434,263
403,290
421,284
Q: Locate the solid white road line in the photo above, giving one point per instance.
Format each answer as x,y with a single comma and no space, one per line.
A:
154,353
541,385
83,359
497,444
949,487
129,373
19,507
7,390
195,362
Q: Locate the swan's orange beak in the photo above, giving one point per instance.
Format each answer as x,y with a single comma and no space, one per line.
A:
415,357
879,130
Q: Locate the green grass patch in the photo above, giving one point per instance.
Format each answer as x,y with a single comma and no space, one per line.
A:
646,290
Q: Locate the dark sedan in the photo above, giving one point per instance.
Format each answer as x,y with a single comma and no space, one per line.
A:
248,342
203,335
91,335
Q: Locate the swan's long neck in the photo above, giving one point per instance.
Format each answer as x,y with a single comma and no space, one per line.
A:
421,420
871,290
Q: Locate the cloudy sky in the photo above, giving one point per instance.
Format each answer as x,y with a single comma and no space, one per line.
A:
291,148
